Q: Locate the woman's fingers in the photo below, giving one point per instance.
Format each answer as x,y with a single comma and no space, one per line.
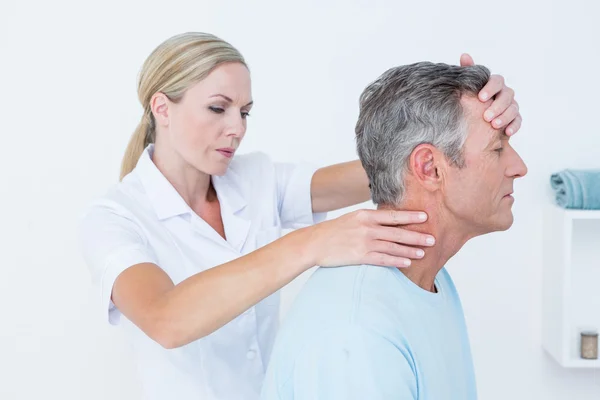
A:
493,87
370,237
396,249
466,60
402,236
385,260
395,217
514,126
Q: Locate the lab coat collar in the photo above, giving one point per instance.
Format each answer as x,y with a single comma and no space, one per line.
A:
167,202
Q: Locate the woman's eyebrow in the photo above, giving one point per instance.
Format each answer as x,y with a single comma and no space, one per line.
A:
229,100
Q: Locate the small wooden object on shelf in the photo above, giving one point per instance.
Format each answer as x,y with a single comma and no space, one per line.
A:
589,345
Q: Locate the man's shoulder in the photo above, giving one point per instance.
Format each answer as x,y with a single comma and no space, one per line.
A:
331,300
326,299
340,292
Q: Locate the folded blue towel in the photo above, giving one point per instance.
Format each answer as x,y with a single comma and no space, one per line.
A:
577,189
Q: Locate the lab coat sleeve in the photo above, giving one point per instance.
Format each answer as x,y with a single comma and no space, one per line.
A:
293,195
354,365
111,242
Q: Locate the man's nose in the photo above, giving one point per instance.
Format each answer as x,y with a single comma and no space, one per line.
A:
517,168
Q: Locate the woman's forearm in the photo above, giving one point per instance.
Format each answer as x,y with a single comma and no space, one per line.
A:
338,186
208,300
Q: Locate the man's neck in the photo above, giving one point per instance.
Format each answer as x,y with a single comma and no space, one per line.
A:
449,239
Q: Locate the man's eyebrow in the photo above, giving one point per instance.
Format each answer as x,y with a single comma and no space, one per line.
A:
498,135
228,99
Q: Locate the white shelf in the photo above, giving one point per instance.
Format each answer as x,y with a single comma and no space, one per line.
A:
571,275
579,363
578,214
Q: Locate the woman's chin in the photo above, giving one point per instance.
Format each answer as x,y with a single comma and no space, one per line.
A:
218,170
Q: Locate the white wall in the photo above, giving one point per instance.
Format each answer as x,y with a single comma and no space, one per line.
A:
68,105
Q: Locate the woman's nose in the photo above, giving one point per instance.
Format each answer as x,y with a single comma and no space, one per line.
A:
236,127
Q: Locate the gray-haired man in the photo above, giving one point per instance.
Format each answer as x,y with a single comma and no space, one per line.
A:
370,332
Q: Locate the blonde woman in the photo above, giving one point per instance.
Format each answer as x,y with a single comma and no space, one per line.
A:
186,248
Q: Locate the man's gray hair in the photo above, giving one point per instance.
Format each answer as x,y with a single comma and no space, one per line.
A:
405,107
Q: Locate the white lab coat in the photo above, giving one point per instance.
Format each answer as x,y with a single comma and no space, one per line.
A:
143,219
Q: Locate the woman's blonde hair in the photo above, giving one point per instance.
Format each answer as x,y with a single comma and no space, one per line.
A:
174,66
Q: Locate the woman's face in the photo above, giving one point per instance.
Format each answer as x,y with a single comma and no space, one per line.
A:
206,126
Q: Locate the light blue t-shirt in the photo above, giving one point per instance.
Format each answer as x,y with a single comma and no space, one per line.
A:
369,333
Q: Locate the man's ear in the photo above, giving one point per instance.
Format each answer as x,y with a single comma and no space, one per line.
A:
427,164
160,108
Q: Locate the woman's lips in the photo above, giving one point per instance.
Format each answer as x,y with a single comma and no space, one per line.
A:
226,152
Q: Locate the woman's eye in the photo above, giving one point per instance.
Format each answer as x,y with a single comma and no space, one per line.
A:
245,115
499,150
216,110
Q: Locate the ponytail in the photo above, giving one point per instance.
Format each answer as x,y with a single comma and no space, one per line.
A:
142,137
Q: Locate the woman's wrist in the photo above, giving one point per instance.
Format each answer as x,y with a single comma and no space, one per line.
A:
304,247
